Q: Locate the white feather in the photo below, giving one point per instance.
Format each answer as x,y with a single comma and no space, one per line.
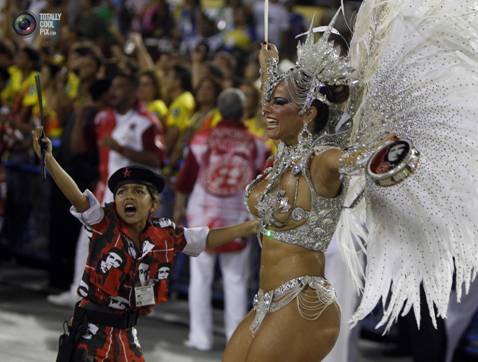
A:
418,64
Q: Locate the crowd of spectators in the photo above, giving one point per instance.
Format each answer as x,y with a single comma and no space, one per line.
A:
178,55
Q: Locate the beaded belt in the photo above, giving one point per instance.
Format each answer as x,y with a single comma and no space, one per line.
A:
273,300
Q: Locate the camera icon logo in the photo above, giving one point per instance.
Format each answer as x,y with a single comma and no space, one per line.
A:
24,23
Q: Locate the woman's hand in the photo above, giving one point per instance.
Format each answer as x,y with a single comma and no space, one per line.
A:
268,51
389,137
39,139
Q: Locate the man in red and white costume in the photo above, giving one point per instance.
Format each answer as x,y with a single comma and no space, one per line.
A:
220,163
126,135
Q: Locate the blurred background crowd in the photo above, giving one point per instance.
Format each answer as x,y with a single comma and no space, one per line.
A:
124,61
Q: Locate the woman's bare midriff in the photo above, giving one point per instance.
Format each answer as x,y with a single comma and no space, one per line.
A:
281,262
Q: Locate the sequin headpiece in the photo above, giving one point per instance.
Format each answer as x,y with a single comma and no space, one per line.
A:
319,64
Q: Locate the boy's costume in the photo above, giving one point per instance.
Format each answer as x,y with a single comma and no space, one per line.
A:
121,281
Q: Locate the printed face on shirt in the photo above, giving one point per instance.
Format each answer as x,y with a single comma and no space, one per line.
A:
134,203
143,269
282,117
163,272
113,260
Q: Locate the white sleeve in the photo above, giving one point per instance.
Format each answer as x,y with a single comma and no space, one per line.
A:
93,215
196,240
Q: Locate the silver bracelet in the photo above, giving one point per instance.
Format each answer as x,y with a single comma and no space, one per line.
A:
354,158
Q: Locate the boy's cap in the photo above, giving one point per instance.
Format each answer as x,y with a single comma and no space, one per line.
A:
135,174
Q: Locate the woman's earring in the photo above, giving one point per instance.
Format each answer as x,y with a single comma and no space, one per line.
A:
305,136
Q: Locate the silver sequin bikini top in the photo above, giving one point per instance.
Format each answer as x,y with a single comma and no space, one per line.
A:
320,222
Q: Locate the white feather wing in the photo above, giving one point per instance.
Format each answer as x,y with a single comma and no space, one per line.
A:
419,64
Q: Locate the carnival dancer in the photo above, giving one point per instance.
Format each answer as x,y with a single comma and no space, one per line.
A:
297,202
416,70
129,261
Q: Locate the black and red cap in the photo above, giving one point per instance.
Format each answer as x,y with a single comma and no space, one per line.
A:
135,174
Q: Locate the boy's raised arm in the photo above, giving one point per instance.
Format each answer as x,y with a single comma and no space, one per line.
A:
65,183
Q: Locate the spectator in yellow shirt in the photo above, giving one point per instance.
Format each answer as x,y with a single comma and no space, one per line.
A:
240,36
178,122
149,92
14,74
206,114
24,89
180,111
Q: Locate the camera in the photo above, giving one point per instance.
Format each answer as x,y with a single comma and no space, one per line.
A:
24,23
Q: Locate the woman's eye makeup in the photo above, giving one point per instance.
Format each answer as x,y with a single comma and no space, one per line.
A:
280,101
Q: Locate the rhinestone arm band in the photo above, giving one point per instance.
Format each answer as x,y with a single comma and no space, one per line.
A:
270,77
354,158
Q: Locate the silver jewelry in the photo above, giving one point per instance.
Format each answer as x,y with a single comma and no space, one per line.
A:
305,136
308,308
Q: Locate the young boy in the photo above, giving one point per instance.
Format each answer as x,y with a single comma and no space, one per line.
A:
130,257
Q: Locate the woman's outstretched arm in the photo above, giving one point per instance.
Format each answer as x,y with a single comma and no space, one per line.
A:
65,183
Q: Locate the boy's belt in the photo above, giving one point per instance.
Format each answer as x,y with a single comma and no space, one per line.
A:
122,321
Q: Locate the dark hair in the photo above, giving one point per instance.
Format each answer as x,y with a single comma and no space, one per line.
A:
6,50
87,50
4,75
215,71
203,44
184,76
257,93
154,79
33,56
132,79
129,72
98,88
334,94
216,85
153,192
228,57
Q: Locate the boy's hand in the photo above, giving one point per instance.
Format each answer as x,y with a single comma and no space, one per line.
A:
252,226
40,138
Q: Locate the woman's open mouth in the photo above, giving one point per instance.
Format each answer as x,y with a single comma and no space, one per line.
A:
272,123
